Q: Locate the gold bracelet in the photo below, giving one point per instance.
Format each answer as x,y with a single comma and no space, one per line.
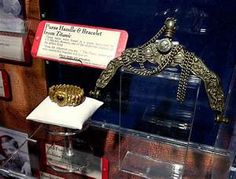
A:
66,95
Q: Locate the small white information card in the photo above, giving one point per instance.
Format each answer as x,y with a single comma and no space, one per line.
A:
78,44
14,48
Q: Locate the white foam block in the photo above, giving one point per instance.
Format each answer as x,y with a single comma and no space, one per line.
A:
49,112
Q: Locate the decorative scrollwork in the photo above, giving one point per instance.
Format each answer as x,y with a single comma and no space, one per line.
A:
159,54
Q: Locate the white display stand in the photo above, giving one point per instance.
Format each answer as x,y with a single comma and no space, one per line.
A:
48,112
74,120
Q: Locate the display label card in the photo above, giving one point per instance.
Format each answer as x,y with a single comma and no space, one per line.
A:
14,48
4,85
78,44
95,167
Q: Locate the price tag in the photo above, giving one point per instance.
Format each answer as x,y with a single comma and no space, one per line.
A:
78,44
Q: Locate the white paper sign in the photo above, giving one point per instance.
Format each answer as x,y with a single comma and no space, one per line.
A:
56,157
78,44
11,48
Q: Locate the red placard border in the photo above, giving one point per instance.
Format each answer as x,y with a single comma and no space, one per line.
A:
6,84
120,48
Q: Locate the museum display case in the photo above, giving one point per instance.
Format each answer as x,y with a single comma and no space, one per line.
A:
166,92
197,30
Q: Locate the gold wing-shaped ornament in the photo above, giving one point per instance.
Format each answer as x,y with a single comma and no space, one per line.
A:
162,53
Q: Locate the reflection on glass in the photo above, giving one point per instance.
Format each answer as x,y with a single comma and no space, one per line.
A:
10,16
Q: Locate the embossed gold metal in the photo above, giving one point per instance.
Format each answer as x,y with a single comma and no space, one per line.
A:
66,95
161,53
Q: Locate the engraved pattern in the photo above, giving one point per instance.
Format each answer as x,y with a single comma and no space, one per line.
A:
134,60
212,84
66,95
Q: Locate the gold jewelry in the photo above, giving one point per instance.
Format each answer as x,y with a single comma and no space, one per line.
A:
66,95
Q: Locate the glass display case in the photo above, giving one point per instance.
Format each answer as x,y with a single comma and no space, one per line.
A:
189,128
200,28
142,129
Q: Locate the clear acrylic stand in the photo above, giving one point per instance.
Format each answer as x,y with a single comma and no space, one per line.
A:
226,137
72,154
156,127
150,167
71,160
